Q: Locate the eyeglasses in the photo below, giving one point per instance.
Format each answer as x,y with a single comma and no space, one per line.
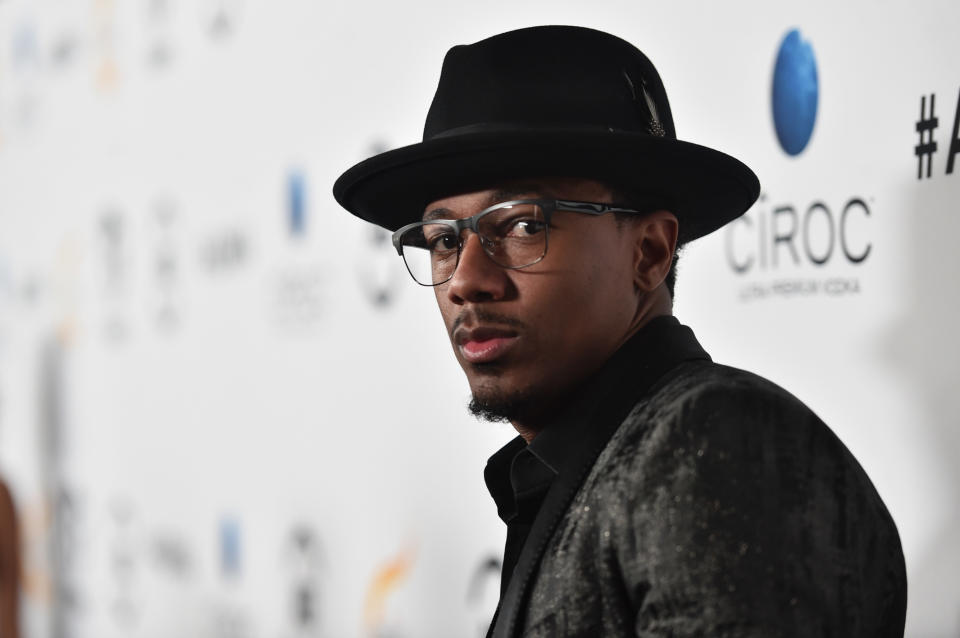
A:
513,234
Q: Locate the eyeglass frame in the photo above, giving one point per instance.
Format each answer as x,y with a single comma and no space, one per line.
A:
549,206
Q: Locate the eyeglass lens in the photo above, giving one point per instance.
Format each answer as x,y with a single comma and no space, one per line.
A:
512,236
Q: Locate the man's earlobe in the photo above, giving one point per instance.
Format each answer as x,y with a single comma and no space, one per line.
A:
656,243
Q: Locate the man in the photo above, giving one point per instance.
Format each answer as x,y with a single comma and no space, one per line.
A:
650,492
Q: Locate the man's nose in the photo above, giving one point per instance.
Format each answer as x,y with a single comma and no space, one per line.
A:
477,278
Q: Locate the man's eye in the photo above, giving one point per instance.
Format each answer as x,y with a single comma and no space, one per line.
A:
442,242
524,228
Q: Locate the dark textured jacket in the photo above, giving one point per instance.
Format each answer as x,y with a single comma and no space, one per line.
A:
720,506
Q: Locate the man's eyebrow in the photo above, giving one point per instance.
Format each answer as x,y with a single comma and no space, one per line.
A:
437,213
501,195
515,192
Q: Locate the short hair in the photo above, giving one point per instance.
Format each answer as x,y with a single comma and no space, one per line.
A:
641,199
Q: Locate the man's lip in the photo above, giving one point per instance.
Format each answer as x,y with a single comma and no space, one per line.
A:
487,350
484,344
481,333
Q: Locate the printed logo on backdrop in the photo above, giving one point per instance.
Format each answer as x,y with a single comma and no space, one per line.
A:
66,513
483,592
927,146
158,24
379,270
298,289
63,50
26,63
220,18
231,616
113,239
784,249
172,556
115,251
18,290
106,69
66,601
23,288
230,564
379,618
166,266
303,561
125,567
795,93
296,204
225,251
63,38
134,559
25,48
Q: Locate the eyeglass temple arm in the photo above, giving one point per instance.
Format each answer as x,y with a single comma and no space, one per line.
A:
590,208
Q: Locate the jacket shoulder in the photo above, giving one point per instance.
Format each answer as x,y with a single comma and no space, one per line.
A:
724,485
712,402
712,383
728,426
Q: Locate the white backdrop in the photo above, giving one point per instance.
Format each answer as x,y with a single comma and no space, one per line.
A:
225,411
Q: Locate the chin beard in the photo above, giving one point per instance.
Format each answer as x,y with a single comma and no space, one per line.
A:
500,407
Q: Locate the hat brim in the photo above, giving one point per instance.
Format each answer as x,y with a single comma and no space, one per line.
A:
706,188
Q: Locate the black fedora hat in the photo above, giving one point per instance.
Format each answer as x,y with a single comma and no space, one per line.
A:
550,101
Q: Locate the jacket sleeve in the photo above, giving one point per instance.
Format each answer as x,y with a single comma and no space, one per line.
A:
752,519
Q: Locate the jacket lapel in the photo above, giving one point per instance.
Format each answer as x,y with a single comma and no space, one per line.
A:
608,398
554,506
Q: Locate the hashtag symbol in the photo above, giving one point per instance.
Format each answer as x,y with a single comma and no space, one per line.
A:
925,127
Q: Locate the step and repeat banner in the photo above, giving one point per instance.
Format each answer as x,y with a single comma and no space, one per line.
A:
226,411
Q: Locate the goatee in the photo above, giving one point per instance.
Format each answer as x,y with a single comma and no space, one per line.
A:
499,407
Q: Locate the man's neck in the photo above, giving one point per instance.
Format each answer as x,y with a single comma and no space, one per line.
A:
653,306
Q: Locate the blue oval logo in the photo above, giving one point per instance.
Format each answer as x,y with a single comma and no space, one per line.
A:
795,93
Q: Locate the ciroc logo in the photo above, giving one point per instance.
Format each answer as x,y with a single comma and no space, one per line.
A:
795,93
785,249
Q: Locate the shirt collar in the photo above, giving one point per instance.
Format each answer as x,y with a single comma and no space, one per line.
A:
497,477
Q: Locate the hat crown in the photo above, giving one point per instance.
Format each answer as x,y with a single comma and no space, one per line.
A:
555,77
550,101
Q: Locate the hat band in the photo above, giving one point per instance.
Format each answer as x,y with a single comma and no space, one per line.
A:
498,127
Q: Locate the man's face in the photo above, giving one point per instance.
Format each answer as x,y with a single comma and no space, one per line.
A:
525,337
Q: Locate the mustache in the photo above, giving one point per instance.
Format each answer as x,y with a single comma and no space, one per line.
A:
481,316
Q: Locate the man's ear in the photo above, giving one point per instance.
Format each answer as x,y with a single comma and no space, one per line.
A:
655,237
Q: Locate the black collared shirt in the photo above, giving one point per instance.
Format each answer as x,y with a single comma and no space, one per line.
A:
519,476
